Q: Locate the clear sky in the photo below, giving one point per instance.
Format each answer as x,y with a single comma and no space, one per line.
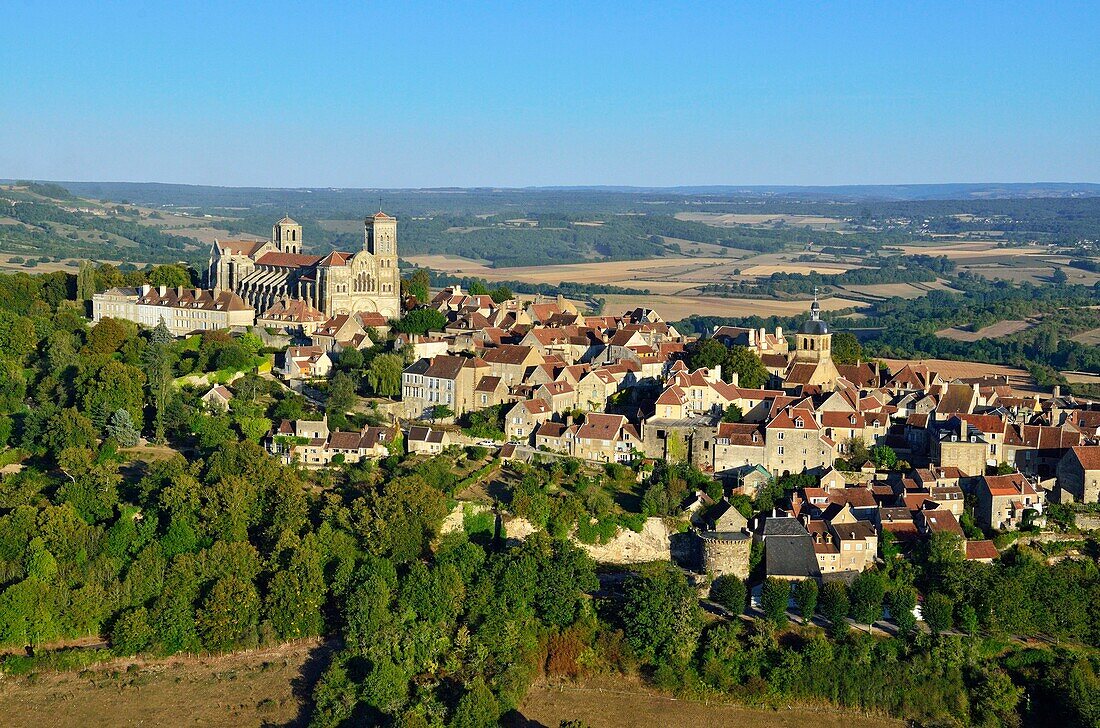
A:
408,94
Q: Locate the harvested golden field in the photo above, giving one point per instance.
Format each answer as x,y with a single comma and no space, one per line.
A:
674,308
625,703
667,274
951,369
723,219
69,266
254,688
1081,378
210,234
993,331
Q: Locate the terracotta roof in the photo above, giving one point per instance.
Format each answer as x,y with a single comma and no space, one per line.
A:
241,247
1088,456
507,354
288,260
741,433
981,550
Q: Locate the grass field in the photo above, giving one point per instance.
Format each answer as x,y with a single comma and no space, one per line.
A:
259,687
624,703
1090,338
993,331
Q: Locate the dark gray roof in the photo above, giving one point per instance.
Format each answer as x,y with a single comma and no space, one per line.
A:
814,327
783,526
790,556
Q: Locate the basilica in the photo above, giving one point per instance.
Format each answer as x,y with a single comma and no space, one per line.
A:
267,273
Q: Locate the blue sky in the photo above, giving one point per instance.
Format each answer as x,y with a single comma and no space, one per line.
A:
377,94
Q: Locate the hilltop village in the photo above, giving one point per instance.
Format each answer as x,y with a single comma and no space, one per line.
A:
850,460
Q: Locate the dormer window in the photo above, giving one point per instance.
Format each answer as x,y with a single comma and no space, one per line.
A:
798,422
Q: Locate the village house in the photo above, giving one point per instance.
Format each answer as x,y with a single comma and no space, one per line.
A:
306,362
606,438
218,398
1079,473
291,316
421,440
1003,499
524,417
441,381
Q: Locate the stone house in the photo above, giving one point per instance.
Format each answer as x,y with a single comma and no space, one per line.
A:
524,418
511,362
1002,500
446,380
1079,473
606,438
218,398
427,441
306,362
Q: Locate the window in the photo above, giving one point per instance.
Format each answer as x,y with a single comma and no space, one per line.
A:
780,450
780,435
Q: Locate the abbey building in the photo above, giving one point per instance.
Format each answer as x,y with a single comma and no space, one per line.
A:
266,273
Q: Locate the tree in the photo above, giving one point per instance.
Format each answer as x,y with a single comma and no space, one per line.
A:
805,595
122,428
85,281
660,616
708,353
384,375
478,707
730,592
229,614
884,456
441,412
751,372
501,294
419,285
93,486
775,595
131,632
1058,277
901,600
846,348
866,594
478,288
732,414
834,607
350,359
994,697
171,276
937,612
341,394
420,321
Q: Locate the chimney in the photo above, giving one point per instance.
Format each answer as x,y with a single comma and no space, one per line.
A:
1057,391
163,290
779,332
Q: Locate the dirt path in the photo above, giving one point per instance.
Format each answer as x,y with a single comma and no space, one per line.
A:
624,703
258,687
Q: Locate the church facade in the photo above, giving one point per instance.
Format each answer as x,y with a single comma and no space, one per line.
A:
265,273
